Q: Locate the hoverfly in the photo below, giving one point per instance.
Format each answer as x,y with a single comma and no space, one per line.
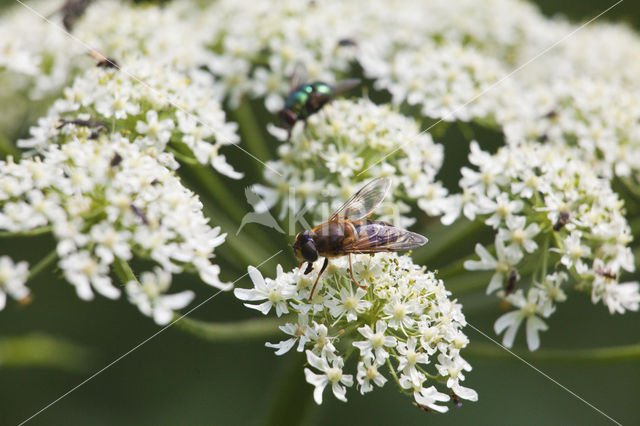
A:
349,231
306,99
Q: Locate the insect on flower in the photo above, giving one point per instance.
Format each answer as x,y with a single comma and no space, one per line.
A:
306,99
349,231
103,61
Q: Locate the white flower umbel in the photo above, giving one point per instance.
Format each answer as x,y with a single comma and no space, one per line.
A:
13,277
349,143
108,201
156,107
428,329
559,219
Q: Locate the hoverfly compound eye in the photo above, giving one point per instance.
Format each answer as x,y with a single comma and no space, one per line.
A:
309,251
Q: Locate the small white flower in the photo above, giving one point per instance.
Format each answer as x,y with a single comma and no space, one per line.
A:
156,131
519,235
429,397
299,333
275,292
574,251
368,375
376,342
350,303
332,374
13,277
409,357
511,321
84,272
503,265
149,295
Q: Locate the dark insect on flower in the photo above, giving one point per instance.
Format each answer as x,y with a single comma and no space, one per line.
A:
563,219
117,159
103,61
422,407
72,10
347,42
95,126
512,280
607,274
138,212
455,399
306,99
349,231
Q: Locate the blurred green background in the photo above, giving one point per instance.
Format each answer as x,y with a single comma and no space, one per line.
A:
175,378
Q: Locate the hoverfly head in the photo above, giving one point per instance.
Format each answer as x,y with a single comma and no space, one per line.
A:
304,247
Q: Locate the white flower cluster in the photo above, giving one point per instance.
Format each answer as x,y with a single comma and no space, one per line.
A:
155,106
446,81
601,117
43,59
259,45
13,278
553,218
403,322
35,57
347,143
106,201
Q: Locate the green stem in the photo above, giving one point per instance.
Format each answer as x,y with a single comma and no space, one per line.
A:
608,354
251,134
393,373
631,186
40,350
545,256
124,271
28,233
183,158
42,264
239,331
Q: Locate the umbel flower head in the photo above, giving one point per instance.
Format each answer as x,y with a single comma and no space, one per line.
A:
554,219
402,327
107,201
349,142
156,107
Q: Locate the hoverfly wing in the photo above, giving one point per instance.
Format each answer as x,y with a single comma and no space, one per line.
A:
365,201
374,237
344,86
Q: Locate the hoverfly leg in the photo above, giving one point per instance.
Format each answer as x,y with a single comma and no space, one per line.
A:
324,266
309,268
352,277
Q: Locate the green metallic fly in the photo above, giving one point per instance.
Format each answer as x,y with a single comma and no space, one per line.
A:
307,99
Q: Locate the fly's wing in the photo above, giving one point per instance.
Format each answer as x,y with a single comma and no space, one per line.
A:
363,202
374,237
344,85
298,75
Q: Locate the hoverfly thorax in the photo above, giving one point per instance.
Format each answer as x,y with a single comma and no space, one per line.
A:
305,248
